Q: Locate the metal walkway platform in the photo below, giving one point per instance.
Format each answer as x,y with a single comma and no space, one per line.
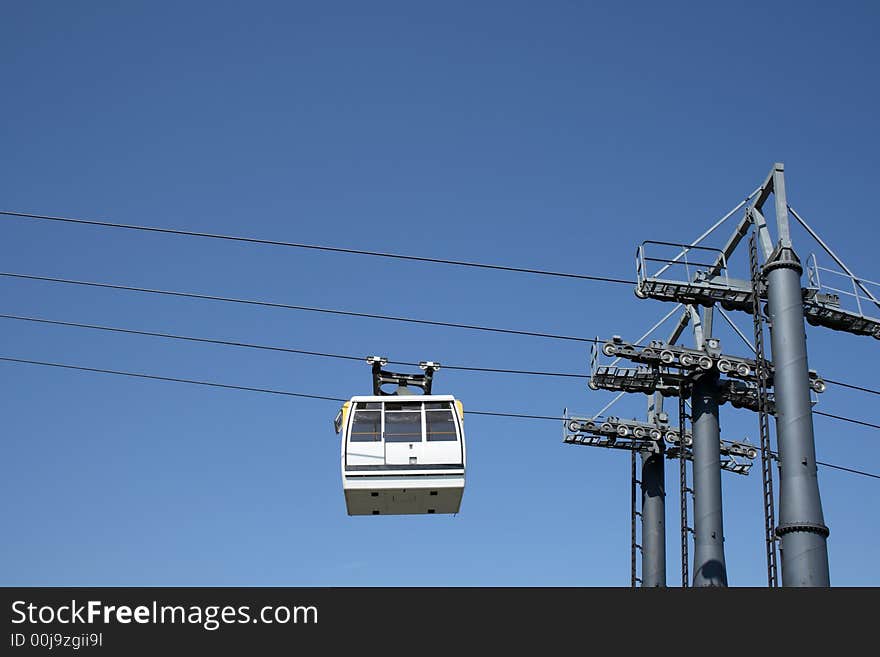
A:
705,284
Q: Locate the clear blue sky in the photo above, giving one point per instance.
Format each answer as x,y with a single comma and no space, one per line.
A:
554,136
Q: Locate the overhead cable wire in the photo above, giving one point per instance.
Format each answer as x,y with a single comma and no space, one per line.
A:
173,336
852,470
518,415
286,393
286,306
171,379
250,345
775,455
495,370
212,384
851,386
219,385
314,247
847,419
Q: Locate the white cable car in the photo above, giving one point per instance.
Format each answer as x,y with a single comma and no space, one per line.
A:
402,453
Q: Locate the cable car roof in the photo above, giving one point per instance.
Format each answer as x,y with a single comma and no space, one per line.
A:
396,399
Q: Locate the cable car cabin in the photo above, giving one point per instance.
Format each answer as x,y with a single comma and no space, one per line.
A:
402,454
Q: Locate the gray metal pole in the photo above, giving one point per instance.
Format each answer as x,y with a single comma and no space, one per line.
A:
654,509
653,520
802,532
709,566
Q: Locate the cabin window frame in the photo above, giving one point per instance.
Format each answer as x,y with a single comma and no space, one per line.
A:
381,407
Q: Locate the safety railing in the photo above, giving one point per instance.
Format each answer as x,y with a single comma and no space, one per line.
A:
825,281
685,262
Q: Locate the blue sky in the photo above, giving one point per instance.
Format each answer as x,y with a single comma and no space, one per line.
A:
553,136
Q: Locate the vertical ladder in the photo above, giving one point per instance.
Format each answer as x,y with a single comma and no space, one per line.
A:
683,488
634,547
763,419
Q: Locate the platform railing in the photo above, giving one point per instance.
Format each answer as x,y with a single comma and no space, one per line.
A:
695,261
818,277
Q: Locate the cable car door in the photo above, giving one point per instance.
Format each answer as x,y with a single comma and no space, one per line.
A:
443,444
365,447
403,433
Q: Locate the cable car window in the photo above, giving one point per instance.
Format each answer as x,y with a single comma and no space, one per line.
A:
433,406
366,427
403,426
403,406
440,425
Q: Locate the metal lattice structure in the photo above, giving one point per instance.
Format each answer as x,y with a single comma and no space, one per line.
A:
763,421
635,548
683,495
618,433
693,282
782,386
647,438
